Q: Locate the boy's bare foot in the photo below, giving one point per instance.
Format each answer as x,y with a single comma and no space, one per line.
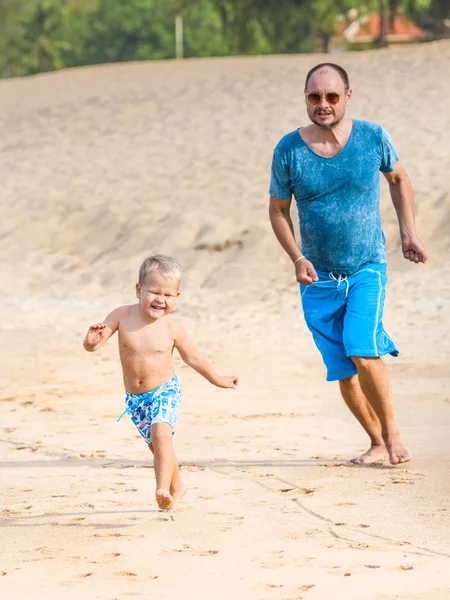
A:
398,453
164,499
177,494
375,454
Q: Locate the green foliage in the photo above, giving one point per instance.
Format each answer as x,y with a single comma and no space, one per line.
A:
433,17
203,31
42,43
132,30
45,35
11,14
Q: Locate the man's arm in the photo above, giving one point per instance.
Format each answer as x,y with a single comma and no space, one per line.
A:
197,361
100,333
280,219
402,195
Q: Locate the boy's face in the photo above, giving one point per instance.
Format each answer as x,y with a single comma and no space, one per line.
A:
157,294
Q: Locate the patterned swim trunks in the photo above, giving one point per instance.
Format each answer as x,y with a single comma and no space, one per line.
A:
160,405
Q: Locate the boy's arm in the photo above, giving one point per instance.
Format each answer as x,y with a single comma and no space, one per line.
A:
403,200
197,361
100,333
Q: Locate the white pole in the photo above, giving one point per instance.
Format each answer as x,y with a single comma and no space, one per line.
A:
179,36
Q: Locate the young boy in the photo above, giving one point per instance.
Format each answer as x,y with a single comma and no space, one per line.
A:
148,333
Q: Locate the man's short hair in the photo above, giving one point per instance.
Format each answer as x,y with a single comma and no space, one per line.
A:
342,72
159,262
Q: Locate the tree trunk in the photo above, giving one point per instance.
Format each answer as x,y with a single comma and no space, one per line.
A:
380,41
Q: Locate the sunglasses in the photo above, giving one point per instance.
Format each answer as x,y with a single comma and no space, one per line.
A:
314,98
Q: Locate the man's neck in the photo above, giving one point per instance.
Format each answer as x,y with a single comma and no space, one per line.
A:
335,136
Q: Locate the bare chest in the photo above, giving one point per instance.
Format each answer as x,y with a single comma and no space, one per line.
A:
146,341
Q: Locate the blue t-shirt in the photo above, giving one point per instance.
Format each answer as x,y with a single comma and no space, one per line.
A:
338,198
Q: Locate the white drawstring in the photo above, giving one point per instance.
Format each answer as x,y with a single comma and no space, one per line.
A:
338,280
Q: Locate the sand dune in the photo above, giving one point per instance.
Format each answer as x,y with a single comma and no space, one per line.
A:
99,167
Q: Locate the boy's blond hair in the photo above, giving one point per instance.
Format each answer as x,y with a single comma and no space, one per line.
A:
159,262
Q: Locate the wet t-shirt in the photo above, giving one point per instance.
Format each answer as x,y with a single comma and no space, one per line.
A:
338,198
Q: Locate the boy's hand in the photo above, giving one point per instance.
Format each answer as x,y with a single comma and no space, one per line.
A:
228,381
95,334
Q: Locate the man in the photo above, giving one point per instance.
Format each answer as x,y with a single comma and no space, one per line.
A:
332,167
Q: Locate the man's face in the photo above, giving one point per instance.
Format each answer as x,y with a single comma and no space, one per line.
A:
324,87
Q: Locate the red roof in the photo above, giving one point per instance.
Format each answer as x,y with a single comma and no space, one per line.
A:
367,28
400,27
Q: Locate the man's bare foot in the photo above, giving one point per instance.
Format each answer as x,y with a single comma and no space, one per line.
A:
375,454
164,499
177,494
398,453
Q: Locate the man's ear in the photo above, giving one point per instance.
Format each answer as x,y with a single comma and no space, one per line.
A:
138,290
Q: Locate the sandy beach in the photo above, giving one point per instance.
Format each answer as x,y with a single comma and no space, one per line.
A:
101,166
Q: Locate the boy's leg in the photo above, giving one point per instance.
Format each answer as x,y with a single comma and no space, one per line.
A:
360,407
176,488
164,463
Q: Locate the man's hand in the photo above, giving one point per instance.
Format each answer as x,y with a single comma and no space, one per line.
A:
228,381
413,250
305,272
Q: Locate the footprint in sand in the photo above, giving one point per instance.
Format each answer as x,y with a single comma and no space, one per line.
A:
125,574
46,550
32,448
193,551
305,491
305,588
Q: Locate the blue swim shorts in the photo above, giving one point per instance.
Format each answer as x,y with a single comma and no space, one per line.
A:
344,314
160,405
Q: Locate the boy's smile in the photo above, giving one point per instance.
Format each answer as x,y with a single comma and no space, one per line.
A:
157,294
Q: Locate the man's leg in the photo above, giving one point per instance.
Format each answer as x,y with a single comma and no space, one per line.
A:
359,405
375,385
